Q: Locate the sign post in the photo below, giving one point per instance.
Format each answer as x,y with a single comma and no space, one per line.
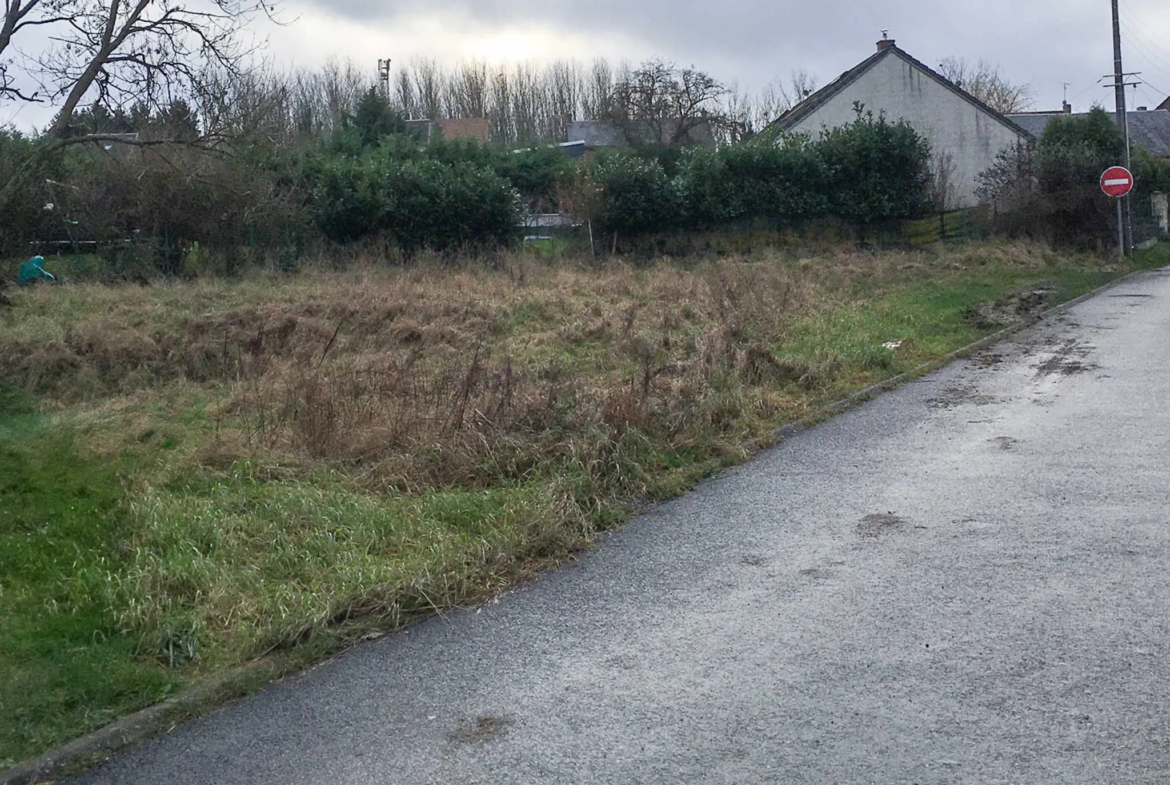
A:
1117,182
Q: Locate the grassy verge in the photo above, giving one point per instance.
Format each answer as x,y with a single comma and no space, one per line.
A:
195,475
64,667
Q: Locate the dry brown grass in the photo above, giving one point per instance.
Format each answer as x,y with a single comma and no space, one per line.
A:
427,377
303,460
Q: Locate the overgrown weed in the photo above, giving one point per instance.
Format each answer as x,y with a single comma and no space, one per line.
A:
297,456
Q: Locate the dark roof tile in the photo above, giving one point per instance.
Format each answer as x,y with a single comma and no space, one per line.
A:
1148,130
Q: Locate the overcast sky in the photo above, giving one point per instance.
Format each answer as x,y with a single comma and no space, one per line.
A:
1044,43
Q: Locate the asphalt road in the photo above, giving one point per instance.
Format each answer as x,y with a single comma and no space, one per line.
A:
964,581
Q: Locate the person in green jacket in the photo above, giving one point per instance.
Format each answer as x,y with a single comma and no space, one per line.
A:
34,270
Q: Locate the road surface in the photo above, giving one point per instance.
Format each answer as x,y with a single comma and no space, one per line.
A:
964,581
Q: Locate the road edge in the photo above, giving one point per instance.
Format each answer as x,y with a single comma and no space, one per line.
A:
89,750
886,385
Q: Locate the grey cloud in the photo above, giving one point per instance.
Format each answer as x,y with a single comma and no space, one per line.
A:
1046,42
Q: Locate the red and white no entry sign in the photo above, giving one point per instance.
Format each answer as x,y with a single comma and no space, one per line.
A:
1117,181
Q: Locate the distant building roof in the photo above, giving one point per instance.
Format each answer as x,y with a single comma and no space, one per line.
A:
596,133
1165,105
886,48
1148,130
477,128
606,133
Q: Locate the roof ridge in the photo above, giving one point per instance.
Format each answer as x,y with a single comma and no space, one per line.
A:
822,96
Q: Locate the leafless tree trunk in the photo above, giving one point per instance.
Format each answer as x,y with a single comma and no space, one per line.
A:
503,127
429,83
598,96
129,51
469,90
405,97
565,99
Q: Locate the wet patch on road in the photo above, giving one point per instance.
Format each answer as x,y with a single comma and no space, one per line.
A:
878,524
482,728
1069,359
960,394
988,360
1005,442
622,662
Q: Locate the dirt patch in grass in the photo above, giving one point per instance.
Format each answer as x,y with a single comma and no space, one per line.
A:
1019,306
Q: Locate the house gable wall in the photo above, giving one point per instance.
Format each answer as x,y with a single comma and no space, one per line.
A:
954,126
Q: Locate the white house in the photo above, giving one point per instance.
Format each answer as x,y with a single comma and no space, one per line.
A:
965,134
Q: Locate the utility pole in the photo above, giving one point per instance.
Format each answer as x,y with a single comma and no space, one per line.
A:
384,77
1123,124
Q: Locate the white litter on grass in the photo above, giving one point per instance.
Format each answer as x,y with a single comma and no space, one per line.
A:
892,345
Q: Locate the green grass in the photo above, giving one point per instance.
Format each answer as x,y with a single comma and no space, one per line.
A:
143,550
64,668
225,572
111,601
1150,258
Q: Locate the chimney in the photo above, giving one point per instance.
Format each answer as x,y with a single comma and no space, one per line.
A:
1066,107
1143,109
885,43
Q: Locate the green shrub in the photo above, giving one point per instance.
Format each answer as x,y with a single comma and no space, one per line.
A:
760,179
875,170
416,203
631,194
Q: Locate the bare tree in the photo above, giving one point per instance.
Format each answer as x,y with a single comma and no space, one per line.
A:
662,104
340,85
468,93
801,84
501,103
430,83
983,81
739,117
598,90
565,88
123,51
19,15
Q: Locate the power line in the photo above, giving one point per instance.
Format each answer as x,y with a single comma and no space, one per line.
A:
1087,89
1148,58
1149,51
1134,18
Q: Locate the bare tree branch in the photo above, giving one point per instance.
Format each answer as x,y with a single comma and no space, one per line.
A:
983,81
130,51
660,104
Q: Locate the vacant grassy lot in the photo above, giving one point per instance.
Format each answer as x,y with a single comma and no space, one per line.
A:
195,474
